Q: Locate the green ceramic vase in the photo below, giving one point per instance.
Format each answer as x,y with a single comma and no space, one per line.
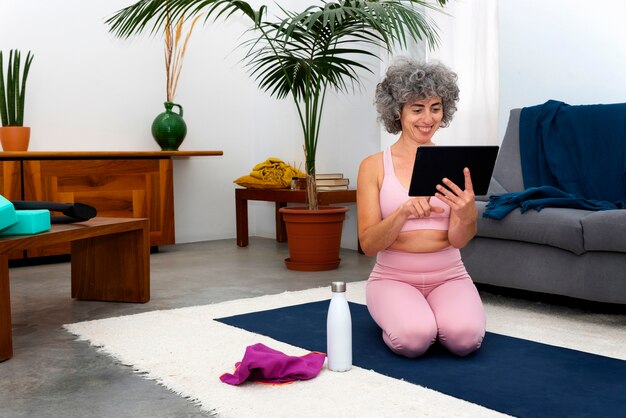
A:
169,128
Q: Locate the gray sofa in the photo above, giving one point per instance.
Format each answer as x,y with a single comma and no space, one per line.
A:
568,252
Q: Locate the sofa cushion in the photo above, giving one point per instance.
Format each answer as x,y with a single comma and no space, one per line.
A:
507,172
557,227
605,231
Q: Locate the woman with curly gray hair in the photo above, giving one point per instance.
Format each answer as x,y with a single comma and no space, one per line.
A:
419,290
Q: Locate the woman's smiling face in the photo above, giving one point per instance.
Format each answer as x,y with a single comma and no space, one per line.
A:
420,119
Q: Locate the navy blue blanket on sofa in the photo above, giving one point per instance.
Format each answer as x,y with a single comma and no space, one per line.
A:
579,150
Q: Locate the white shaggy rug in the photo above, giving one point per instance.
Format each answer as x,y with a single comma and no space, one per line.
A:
186,351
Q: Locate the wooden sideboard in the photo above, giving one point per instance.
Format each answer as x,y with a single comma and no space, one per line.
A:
122,184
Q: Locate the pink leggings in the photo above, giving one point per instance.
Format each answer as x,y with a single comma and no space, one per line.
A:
416,297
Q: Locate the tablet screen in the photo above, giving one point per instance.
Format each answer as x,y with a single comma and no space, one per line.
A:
433,163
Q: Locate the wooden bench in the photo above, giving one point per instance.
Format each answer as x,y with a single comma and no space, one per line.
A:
110,261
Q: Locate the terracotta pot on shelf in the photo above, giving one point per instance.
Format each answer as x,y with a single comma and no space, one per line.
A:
15,138
313,236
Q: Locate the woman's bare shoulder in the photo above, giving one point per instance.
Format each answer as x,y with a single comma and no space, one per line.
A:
372,162
371,170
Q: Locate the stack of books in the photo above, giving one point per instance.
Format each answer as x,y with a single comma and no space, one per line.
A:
331,181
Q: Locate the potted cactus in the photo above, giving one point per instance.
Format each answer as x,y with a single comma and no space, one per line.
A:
13,134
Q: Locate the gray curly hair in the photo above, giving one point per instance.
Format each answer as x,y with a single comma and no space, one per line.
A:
407,80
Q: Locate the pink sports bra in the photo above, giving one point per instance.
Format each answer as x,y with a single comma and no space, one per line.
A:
393,194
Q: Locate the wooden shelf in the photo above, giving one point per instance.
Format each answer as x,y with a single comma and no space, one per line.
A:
119,184
55,155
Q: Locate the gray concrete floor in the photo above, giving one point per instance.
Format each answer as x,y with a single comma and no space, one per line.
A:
52,375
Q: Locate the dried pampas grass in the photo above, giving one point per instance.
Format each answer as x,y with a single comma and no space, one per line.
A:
175,46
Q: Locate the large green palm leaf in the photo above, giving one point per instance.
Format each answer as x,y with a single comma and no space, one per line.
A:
277,69
307,41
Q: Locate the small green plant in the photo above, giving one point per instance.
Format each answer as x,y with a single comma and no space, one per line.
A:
12,94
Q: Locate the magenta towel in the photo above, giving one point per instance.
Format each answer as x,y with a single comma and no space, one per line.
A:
266,365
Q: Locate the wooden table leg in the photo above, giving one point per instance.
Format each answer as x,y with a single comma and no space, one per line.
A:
241,215
112,267
6,332
281,229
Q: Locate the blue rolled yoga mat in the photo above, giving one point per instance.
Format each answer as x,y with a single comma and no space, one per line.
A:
29,222
7,213
511,375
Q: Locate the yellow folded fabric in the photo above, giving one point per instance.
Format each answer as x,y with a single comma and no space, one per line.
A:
272,173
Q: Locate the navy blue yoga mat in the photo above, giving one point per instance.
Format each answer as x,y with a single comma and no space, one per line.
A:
511,375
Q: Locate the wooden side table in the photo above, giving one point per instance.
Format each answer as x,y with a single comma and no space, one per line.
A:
281,197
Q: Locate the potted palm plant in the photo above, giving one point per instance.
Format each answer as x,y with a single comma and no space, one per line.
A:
302,55
13,134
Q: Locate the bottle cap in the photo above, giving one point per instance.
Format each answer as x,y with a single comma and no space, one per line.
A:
338,287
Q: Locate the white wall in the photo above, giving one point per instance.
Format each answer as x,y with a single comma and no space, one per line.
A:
88,90
568,50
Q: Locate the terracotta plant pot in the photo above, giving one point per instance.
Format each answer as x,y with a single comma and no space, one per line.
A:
314,237
15,138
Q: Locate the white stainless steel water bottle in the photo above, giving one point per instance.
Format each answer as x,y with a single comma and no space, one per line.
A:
339,330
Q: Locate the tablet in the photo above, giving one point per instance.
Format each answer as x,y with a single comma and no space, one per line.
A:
433,163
